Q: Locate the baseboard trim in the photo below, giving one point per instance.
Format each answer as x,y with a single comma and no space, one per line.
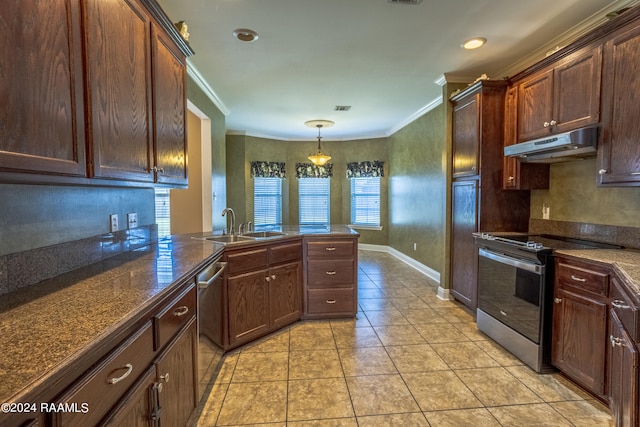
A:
427,271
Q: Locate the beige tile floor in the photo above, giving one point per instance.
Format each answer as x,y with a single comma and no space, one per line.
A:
409,359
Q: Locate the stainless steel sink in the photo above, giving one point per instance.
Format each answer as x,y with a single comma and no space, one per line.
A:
229,238
263,234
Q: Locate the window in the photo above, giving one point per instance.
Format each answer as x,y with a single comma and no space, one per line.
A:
365,201
163,212
267,201
314,201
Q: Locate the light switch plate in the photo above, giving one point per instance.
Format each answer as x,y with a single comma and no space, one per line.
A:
132,220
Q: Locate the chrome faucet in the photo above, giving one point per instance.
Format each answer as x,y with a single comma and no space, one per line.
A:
245,227
233,219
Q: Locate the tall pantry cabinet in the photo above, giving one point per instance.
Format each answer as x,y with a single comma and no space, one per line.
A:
478,202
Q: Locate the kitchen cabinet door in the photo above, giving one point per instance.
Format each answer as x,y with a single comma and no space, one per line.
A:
169,107
285,294
177,372
41,114
517,175
248,297
579,333
623,374
137,405
619,149
535,106
464,253
118,67
466,136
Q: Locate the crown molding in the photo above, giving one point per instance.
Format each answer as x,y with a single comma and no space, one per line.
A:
200,81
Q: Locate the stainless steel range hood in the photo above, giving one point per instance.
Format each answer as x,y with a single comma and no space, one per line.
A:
563,147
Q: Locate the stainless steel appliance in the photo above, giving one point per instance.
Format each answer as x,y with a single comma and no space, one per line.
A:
515,292
210,282
562,147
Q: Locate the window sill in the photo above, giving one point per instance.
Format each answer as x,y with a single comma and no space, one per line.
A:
366,227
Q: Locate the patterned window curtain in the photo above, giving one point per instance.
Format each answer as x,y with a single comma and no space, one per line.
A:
309,170
268,170
365,169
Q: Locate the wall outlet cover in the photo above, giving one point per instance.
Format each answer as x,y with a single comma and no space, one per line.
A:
113,219
132,220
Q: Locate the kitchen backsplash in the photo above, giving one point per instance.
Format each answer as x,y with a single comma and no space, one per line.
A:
27,268
629,237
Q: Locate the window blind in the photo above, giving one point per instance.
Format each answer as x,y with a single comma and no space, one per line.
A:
313,194
267,201
365,201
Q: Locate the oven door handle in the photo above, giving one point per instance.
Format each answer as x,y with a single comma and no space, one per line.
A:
514,262
204,281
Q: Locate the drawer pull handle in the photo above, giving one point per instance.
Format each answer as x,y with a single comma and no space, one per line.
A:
128,367
615,341
557,300
181,311
330,273
164,377
619,304
578,279
331,248
330,301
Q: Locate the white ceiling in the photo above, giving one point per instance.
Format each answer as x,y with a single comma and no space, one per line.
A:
382,59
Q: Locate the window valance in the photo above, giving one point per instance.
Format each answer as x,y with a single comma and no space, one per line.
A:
309,170
365,169
262,169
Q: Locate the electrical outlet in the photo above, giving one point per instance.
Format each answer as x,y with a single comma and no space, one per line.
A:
132,220
113,218
415,246
545,211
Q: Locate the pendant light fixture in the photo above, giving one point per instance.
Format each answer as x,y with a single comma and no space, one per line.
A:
319,159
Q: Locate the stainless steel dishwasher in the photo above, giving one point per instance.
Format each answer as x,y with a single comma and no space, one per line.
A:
210,282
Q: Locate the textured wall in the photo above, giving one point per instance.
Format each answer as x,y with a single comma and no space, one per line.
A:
574,196
417,189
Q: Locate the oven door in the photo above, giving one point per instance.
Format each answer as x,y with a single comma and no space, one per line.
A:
511,291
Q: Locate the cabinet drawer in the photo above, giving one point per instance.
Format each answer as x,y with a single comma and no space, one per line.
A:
582,276
321,301
247,260
104,385
285,252
330,249
170,320
327,273
626,310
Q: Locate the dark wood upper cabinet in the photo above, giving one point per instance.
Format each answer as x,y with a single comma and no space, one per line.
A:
41,114
563,97
118,53
619,145
169,107
466,136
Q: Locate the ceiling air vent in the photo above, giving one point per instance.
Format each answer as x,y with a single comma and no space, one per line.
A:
405,1
342,108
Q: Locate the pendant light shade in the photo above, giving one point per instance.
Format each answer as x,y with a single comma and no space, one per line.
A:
319,158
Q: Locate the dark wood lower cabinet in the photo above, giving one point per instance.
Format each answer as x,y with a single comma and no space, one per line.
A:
579,331
248,297
623,374
138,405
285,301
464,253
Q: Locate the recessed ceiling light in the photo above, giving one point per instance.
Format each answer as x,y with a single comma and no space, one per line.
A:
474,43
245,35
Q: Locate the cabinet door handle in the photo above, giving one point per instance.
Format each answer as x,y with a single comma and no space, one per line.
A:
578,279
511,179
615,341
557,300
602,171
164,377
115,380
330,273
268,279
181,311
619,304
273,276
546,124
157,169
330,248
553,122
330,301
634,173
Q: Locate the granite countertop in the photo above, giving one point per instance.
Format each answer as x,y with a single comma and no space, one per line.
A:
47,325
291,231
625,263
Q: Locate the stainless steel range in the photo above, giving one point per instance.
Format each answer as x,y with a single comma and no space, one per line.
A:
515,291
